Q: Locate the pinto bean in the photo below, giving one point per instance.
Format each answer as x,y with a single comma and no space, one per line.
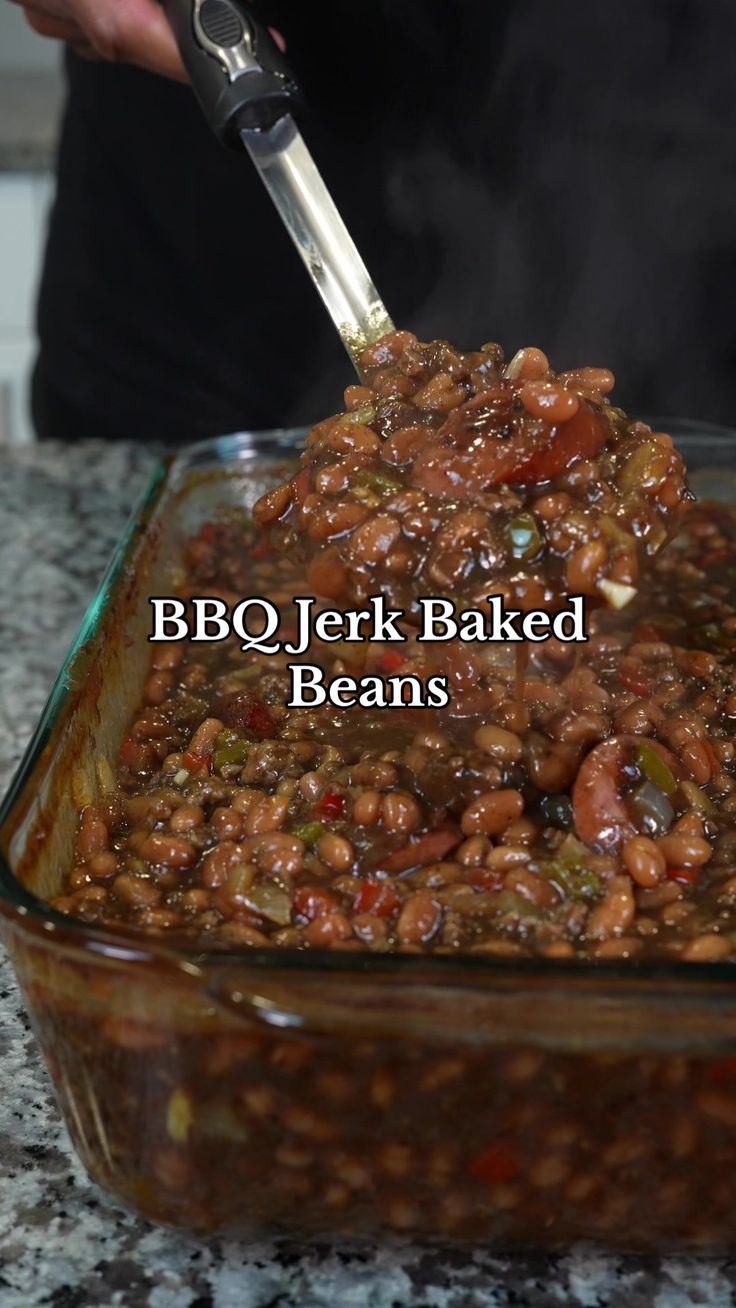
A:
337,852
136,892
615,913
172,851
186,818
491,813
400,812
546,400
708,948
266,814
503,745
528,364
684,851
93,836
419,918
328,930
367,808
645,861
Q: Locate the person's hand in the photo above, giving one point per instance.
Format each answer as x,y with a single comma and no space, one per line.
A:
123,31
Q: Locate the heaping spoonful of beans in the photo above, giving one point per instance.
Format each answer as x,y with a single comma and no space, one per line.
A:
459,474
450,472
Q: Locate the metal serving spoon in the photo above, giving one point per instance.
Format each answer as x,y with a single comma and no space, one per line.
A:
248,96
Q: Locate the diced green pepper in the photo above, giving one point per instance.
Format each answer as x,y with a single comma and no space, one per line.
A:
575,882
235,753
524,538
251,673
573,851
508,904
570,873
309,833
187,709
226,737
378,482
650,762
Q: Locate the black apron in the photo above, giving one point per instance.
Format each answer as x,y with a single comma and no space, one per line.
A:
559,175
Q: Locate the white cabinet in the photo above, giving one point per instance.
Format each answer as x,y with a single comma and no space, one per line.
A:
24,203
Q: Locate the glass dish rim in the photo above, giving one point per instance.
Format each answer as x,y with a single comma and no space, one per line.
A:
27,912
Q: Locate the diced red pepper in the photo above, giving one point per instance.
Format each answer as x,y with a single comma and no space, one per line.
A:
686,876
312,902
331,806
262,549
391,660
633,677
197,762
247,712
497,1165
376,897
208,532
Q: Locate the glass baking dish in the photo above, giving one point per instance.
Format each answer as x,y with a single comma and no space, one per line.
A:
257,1092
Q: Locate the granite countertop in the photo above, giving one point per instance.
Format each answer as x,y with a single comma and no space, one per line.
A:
30,104
63,1243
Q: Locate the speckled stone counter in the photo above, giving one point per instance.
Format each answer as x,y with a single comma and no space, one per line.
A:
63,1243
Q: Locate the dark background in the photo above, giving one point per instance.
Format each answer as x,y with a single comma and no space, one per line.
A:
560,174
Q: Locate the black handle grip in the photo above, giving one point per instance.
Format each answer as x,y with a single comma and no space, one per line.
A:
238,73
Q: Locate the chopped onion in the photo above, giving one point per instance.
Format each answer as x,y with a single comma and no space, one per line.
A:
617,593
181,777
271,902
